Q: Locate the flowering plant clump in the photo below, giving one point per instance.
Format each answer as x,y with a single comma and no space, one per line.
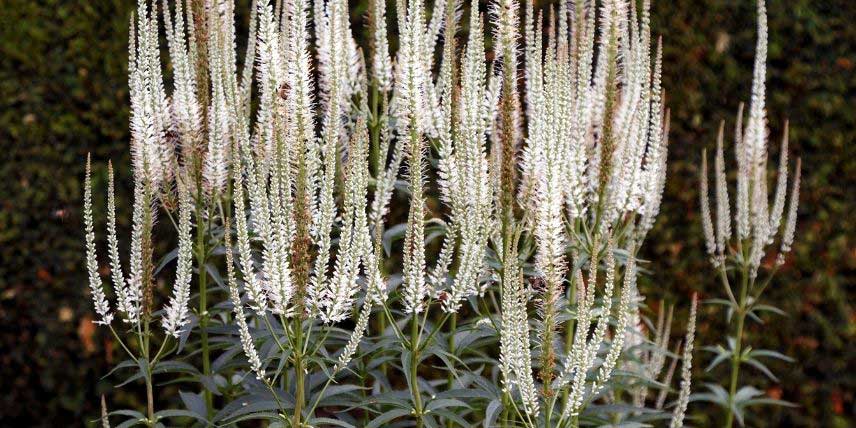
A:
739,259
437,236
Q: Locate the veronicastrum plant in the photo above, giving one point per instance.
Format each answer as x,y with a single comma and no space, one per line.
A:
289,175
176,168
739,257
135,294
592,173
524,312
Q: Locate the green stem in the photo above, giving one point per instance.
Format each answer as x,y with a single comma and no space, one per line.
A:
364,375
398,333
203,307
381,326
299,372
450,379
150,396
150,400
735,369
434,331
548,411
122,343
281,348
762,288
160,351
414,362
723,275
321,394
505,412
378,162
569,334
738,342
374,131
276,398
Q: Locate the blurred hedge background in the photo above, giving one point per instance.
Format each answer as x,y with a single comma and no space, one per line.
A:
63,93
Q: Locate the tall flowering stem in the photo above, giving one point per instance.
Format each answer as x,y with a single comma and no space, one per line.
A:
757,225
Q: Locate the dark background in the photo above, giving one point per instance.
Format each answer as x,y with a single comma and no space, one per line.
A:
63,92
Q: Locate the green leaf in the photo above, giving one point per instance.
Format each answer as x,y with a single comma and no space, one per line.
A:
395,398
130,423
405,367
128,412
248,405
464,393
494,408
770,401
722,302
388,416
722,354
185,333
746,393
429,422
173,366
769,308
334,390
452,416
210,384
771,354
717,394
170,256
445,357
441,403
214,273
328,421
123,365
391,235
762,368
135,376
175,413
194,402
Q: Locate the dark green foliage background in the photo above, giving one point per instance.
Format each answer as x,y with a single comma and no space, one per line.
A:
63,93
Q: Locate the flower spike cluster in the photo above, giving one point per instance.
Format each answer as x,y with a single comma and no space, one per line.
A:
465,179
130,291
288,176
597,134
592,171
173,164
153,156
758,222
